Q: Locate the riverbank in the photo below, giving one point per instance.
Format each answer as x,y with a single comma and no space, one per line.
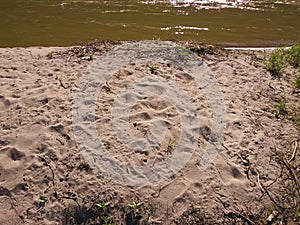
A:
44,179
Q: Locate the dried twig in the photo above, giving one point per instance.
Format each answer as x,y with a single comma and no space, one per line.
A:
259,183
53,175
292,173
294,152
248,220
263,189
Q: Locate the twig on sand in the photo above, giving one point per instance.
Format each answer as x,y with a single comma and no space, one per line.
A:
263,189
259,183
158,194
245,218
287,164
232,211
294,152
53,175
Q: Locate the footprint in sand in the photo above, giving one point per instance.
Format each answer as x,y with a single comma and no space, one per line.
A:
4,103
15,154
231,174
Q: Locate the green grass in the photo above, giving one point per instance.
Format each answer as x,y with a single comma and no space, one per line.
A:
276,62
42,201
50,55
295,115
134,217
201,50
297,84
107,220
281,108
182,54
135,206
293,55
279,59
171,145
152,69
103,205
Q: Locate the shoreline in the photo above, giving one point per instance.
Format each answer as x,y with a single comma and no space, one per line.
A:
44,179
229,46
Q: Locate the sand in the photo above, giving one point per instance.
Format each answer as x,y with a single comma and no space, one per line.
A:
40,158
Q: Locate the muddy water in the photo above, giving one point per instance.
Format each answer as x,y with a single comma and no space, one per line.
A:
70,22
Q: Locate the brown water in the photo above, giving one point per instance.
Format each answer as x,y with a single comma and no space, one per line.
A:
62,23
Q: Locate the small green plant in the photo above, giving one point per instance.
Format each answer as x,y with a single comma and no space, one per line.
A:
281,108
171,144
210,49
152,69
181,53
276,63
200,50
50,55
107,220
197,49
297,84
136,207
134,216
253,63
42,201
261,92
293,55
103,205
295,116
270,84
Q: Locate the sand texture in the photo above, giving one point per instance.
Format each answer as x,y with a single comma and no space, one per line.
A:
40,159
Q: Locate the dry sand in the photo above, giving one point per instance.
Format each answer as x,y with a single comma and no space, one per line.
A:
39,157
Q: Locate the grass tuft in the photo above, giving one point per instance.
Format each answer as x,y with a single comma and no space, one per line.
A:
293,55
152,69
276,63
281,108
297,84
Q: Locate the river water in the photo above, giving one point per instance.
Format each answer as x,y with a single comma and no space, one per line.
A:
226,22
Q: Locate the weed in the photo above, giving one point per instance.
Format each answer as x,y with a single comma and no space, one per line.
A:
42,201
200,50
107,220
210,50
270,84
152,69
276,63
103,206
294,111
50,55
171,145
260,92
135,206
297,84
253,63
197,49
134,216
293,55
182,54
281,108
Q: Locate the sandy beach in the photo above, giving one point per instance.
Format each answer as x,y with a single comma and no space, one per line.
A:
44,178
